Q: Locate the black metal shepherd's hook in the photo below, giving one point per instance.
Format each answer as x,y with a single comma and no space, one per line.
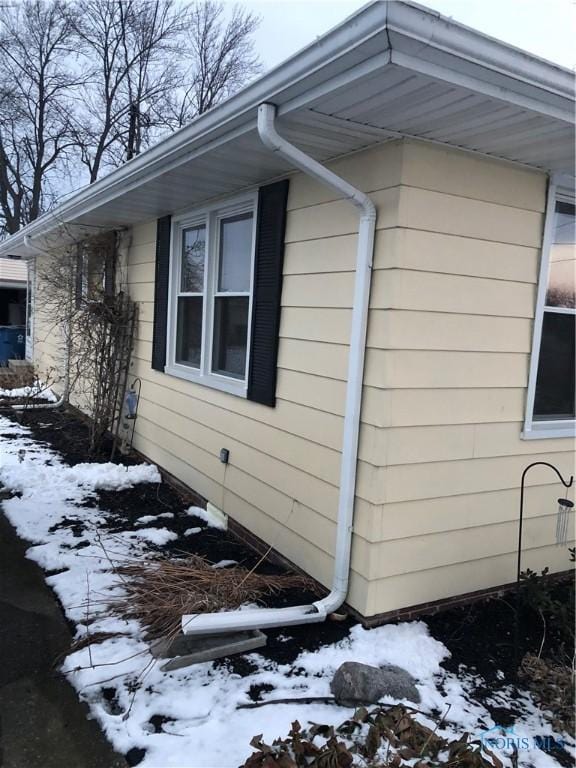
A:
520,525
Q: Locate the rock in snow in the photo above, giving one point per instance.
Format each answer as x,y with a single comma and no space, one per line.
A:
355,683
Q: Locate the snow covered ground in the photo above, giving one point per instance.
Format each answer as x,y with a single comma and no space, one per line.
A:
38,391
190,718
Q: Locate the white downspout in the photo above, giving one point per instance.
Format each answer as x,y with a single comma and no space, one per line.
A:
64,396
316,612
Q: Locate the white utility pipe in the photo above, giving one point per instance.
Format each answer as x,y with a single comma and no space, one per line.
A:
274,617
64,396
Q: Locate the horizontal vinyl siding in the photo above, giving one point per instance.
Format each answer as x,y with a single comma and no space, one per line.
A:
283,474
450,254
439,292
440,456
48,349
446,581
449,341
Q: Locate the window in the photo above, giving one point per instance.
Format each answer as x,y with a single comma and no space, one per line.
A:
95,269
551,393
211,295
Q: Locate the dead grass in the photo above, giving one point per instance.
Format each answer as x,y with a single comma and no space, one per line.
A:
552,685
160,592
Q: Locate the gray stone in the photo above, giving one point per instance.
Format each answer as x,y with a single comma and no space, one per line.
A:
354,684
185,650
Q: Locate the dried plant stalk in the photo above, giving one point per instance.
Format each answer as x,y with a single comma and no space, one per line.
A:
160,592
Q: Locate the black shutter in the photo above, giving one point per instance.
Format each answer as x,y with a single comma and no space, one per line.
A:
161,293
270,228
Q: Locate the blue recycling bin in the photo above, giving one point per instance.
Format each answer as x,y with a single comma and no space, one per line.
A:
12,343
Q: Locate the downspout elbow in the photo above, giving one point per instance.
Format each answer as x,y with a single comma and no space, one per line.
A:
276,143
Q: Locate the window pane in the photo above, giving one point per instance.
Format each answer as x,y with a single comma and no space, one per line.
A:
189,330
561,281
555,381
193,257
230,335
94,274
235,253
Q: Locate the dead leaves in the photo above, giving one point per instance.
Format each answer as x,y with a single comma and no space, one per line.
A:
386,737
299,750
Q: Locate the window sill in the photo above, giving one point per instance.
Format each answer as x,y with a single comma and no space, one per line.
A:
223,384
549,431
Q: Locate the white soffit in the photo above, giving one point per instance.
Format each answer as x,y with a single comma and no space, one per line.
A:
392,70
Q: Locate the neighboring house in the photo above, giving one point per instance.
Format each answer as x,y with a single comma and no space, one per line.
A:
243,259
13,292
13,282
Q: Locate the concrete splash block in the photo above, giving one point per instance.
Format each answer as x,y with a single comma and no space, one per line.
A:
185,650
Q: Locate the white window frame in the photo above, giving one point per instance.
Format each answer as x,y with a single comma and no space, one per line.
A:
210,215
538,429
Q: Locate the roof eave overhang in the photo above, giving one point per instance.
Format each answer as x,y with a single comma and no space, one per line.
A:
404,34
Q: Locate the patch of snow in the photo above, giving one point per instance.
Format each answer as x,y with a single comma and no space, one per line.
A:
407,645
38,391
191,531
158,536
224,563
145,519
211,520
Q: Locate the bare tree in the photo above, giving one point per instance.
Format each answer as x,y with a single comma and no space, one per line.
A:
156,66
99,80
128,46
220,57
37,83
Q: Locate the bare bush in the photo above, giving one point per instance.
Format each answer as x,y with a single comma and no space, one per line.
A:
84,304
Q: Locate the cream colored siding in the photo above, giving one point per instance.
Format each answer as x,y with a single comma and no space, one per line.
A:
449,342
48,342
282,479
440,453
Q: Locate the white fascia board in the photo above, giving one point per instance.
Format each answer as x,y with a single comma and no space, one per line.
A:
438,32
318,69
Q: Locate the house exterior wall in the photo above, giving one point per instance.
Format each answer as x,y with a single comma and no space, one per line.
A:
440,456
449,341
49,340
282,478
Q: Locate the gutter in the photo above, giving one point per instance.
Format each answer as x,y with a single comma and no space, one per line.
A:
262,618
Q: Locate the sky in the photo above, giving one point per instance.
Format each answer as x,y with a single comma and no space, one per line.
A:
546,28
